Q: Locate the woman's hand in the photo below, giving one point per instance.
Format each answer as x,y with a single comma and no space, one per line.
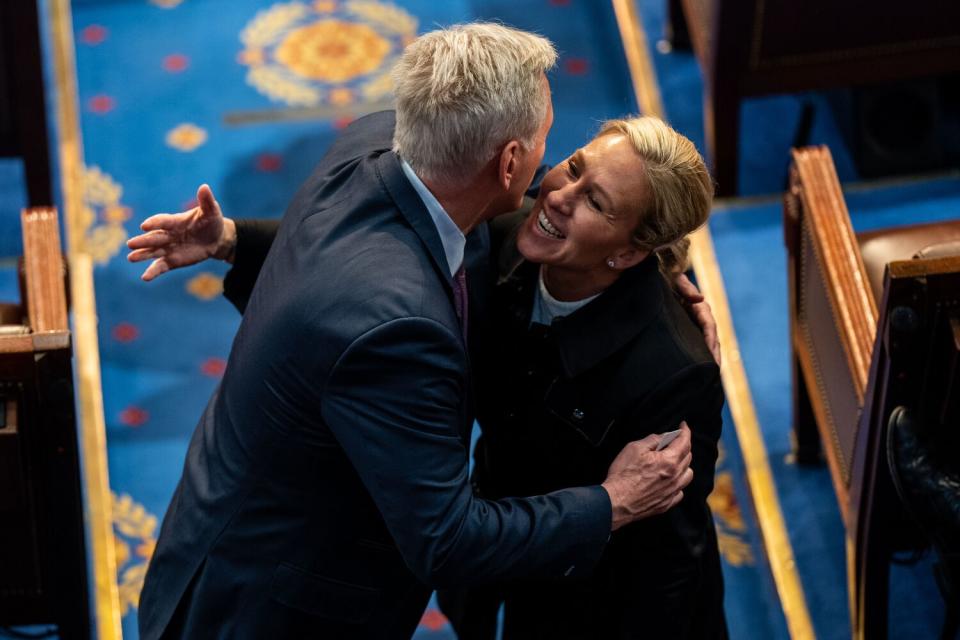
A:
701,312
182,239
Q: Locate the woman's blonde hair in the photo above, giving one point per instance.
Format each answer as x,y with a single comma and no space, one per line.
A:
681,190
463,92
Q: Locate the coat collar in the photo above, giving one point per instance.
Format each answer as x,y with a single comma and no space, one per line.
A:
414,211
598,329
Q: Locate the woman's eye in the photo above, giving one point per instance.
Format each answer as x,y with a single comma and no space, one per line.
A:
572,169
593,203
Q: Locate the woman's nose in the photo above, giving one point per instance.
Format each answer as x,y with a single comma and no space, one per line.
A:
559,199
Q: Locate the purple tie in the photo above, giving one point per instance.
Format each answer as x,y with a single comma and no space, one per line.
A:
460,298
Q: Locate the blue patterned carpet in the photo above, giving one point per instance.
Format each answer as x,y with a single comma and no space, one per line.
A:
175,92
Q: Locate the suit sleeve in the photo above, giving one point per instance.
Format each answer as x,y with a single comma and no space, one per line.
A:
254,238
402,436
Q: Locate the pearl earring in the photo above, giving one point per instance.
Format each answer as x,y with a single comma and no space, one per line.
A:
611,263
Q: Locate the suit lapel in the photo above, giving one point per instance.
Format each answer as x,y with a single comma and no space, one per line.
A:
415,212
411,206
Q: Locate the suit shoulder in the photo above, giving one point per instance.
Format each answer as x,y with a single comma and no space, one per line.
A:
373,132
367,270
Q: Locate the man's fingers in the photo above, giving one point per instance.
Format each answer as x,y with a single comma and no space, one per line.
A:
690,293
686,478
713,343
710,333
164,221
208,204
145,254
677,498
157,267
149,240
650,443
666,503
703,316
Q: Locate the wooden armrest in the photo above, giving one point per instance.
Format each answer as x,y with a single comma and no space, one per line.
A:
833,314
45,293
827,222
34,342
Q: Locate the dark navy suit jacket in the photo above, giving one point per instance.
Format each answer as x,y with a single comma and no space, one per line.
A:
325,490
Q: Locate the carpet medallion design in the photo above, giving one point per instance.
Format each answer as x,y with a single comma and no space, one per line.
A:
135,536
103,215
729,520
186,137
308,55
205,286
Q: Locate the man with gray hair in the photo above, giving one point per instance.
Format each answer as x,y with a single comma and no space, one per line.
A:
325,490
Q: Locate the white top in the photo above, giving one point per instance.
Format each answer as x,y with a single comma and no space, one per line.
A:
546,307
451,237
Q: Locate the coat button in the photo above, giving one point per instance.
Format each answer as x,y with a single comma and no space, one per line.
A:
577,414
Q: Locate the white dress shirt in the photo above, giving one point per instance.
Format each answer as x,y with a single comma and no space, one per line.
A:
451,237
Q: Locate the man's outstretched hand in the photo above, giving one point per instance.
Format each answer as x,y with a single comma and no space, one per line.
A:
644,482
174,240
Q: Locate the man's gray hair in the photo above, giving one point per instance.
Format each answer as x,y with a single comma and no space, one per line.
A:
463,92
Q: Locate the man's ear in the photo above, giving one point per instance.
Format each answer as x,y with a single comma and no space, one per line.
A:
630,257
509,162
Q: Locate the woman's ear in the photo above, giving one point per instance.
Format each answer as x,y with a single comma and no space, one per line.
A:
509,162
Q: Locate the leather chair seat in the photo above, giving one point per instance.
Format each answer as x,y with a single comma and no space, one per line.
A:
880,247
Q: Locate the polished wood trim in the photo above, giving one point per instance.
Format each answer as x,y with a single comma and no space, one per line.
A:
825,227
759,475
828,222
35,342
825,423
644,77
98,512
925,267
45,297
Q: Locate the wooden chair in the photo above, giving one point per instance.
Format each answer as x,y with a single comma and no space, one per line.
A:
758,47
43,579
872,328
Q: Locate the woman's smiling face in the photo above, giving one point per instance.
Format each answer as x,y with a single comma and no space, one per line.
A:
588,209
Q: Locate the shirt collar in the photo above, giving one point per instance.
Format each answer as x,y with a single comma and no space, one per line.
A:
546,307
451,237
597,330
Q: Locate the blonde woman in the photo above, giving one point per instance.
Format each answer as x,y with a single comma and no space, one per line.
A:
592,350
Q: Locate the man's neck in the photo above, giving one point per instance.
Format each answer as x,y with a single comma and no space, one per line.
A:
465,204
